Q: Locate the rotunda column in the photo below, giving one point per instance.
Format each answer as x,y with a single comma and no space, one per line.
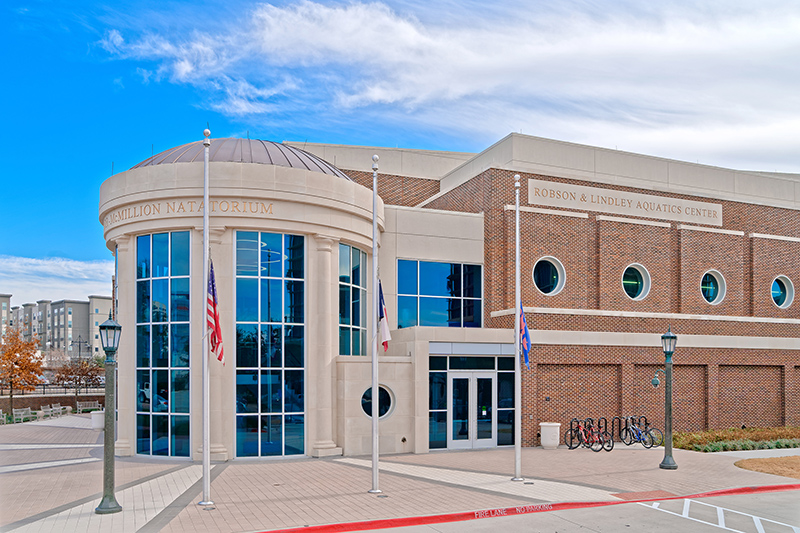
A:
126,355
321,347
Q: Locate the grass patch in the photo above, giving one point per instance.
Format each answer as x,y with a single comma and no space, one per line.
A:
734,439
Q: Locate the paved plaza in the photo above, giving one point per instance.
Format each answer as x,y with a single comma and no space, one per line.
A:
51,480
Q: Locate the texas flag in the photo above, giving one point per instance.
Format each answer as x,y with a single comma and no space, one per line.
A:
524,336
384,322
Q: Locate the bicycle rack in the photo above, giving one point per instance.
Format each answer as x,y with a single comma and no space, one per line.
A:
602,425
573,426
645,421
617,420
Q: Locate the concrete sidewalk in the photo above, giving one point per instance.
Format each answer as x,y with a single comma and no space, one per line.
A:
51,480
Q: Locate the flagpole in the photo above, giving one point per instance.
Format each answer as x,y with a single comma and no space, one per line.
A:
206,407
374,327
517,366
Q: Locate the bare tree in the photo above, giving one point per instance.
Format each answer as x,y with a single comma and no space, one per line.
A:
79,374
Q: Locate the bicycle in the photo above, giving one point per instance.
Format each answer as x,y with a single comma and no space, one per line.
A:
586,435
633,433
658,435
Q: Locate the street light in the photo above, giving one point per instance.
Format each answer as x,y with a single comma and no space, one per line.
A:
668,342
80,342
109,337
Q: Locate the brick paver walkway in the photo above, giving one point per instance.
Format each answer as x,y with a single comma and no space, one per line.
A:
51,480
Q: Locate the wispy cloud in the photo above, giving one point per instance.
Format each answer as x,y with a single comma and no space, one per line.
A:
29,280
635,74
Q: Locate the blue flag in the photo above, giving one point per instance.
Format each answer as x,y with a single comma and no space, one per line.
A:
524,337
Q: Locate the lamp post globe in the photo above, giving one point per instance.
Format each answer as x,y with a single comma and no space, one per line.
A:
668,342
110,332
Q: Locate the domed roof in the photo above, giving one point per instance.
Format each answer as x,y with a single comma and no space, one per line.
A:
245,151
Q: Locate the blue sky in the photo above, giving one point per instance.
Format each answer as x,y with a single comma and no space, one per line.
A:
90,86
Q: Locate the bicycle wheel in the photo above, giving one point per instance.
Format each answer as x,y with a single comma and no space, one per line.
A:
647,440
626,436
597,441
572,439
608,441
658,437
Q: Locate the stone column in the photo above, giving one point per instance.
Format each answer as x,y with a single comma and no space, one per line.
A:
126,355
320,338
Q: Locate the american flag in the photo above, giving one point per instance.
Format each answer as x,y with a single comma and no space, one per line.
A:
213,325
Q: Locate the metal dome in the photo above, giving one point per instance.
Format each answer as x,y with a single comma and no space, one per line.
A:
234,150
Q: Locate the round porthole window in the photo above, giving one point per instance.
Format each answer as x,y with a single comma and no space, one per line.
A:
636,281
548,275
384,402
782,292
713,287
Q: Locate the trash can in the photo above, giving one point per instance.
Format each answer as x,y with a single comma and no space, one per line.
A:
98,420
551,433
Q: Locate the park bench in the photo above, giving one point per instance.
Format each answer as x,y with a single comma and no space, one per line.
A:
2,417
58,410
23,414
88,406
47,412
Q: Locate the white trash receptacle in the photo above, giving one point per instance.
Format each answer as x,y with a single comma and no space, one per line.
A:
551,433
98,420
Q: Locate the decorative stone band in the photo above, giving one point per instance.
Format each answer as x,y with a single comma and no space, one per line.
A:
580,197
637,314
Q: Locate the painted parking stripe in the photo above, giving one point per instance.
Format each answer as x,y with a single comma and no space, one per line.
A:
519,510
758,522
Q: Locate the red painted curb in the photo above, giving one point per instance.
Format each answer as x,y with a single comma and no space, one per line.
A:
519,510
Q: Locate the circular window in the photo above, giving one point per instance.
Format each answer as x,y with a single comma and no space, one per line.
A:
548,275
713,287
782,292
384,402
636,281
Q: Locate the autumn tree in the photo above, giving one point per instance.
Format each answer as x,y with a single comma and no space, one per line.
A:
20,363
79,374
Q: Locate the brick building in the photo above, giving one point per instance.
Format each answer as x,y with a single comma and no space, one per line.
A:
616,247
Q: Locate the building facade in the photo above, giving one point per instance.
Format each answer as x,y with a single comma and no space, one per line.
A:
66,326
616,248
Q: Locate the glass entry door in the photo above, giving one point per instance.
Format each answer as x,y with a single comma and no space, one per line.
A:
471,418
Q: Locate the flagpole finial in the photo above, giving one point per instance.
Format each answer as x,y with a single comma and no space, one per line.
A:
516,180
375,162
206,132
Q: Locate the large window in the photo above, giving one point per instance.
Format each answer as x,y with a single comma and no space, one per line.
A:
270,344
438,294
162,344
352,301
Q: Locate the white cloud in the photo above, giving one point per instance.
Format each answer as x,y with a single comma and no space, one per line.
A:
29,280
650,76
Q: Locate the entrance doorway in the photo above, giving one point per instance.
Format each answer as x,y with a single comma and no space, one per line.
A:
472,419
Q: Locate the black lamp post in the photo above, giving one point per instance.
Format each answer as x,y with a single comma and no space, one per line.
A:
668,342
109,337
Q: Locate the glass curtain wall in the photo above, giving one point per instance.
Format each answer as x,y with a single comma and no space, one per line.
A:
352,301
438,294
162,344
270,344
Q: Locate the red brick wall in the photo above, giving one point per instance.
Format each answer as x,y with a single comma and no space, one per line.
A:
771,258
398,190
750,395
36,402
689,389
700,252
650,246
568,391
713,388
